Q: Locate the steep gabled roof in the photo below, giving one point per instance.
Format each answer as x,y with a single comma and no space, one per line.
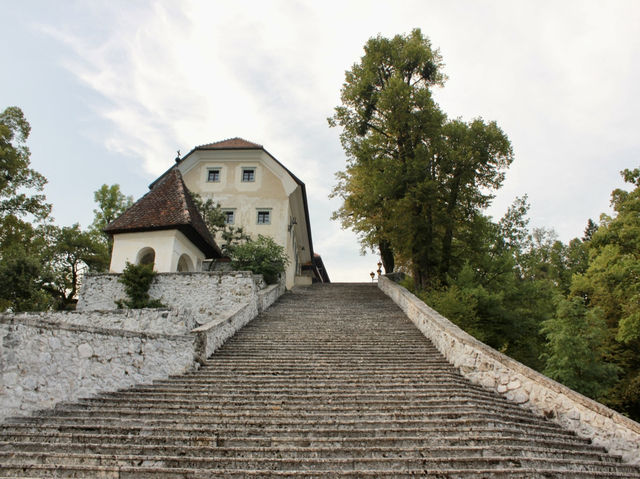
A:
167,206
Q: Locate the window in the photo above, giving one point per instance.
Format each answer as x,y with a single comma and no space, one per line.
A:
146,256
229,217
213,175
248,175
264,217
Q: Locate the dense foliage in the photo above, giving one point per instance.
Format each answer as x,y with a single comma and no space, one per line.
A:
41,264
261,256
226,235
137,280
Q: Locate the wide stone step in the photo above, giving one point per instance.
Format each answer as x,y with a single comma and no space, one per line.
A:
435,407
445,439
380,406
301,430
275,381
316,368
306,464
123,472
326,396
417,451
278,416
327,388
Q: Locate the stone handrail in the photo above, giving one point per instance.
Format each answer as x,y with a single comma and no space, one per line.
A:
487,367
212,335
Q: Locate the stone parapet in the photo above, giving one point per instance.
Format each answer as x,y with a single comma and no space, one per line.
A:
45,362
52,357
519,383
148,320
212,335
203,295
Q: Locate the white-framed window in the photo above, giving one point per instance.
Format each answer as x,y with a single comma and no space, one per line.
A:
264,217
229,216
213,175
248,175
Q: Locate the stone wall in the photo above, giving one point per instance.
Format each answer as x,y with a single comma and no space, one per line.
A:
204,295
46,358
45,362
518,383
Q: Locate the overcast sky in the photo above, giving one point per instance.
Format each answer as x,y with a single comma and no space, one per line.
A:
113,88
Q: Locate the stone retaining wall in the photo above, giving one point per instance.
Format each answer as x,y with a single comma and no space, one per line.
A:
46,358
203,295
518,383
45,362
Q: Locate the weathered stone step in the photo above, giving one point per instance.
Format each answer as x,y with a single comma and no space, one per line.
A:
490,438
418,451
314,370
192,406
306,464
316,367
380,406
364,381
310,430
141,472
278,415
338,377
330,396
293,388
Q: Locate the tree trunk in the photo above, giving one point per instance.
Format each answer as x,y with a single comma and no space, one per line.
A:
386,255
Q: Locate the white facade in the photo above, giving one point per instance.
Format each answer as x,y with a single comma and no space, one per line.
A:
169,250
259,194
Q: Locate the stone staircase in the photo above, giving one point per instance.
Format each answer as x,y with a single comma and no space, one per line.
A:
331,381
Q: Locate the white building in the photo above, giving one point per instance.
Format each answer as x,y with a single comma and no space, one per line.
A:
254,189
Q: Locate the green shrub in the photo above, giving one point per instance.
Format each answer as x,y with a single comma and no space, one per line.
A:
137,280
262,256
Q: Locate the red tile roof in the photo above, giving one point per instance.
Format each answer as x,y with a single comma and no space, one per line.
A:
167,206
230,144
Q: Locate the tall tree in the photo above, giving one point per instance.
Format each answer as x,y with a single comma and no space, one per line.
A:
111,204
21,202
612,284
577,342
414,181
70,254
15,172
388,118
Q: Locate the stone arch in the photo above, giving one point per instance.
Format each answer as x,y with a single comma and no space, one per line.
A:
146,255
185,264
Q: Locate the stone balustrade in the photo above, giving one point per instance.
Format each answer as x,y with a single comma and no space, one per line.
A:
519,383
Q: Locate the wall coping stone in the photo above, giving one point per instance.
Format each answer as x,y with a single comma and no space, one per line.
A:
8,318
544,396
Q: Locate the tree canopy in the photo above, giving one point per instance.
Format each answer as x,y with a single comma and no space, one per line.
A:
414,180
41,264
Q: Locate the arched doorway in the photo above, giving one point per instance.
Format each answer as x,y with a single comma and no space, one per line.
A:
185,264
